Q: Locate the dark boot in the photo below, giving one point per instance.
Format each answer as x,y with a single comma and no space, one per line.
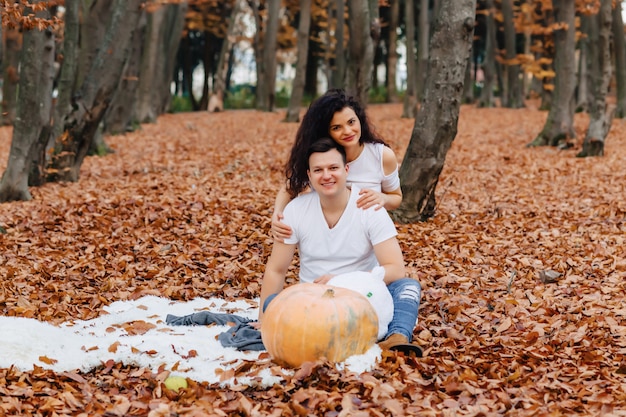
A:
400,343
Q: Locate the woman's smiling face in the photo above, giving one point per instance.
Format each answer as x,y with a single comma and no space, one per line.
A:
345,128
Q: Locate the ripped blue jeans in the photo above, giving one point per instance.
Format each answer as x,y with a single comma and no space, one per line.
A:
406,294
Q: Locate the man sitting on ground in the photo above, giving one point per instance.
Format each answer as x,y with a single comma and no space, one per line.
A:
333,237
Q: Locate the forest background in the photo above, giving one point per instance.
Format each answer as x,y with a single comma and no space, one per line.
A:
520,250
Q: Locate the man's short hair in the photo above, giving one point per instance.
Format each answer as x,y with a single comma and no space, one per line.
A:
324,145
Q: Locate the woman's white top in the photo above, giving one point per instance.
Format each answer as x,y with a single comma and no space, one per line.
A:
367,170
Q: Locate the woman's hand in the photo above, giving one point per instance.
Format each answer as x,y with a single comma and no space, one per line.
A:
323,279
370,198
280,231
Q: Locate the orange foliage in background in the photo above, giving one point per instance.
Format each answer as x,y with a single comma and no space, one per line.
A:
523,268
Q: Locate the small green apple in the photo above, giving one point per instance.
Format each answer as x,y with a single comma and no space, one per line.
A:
175,382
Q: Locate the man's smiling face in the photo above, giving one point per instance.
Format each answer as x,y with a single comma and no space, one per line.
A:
327,172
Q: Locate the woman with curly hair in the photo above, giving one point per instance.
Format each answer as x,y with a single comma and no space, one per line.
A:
373,166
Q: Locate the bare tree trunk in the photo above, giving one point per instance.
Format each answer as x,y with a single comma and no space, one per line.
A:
144,107
120,117
545,86
392,53
409,108
12,40
423,38
468,84
163,33
266,86
329,46
37,173
93,98
297,92
93,18
310,83
69,66
169,44
620,60
436,8
360,51
525,87
583,93
436,123
375,31
559,126
489,65
601,116
546,94
187,67
258,45
34,105
339,73
513,97
208,66
216,102
93,23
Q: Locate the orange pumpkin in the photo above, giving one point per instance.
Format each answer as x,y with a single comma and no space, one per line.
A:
306,322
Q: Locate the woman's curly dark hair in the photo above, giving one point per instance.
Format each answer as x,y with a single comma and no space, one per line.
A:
316,125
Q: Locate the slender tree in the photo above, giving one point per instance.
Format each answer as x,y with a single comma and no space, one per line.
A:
375,33
12,40
216,102
266,83
312,67
92,99
601,114
257,39
620,60
161,41
360,50
339,69
559,126
94,16
583,89
409,108
120,116
526,18
489,65
512,98
295,101
423,39
436,123
468,84
67,77
144,110
392,53
32,122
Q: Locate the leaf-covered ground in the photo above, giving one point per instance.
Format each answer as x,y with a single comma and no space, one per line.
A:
523,268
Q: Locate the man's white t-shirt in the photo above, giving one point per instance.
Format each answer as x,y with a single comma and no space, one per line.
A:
347,247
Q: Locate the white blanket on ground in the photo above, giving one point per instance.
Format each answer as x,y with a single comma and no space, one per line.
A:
135,333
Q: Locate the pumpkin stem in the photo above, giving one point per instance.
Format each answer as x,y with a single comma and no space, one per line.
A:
330,293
